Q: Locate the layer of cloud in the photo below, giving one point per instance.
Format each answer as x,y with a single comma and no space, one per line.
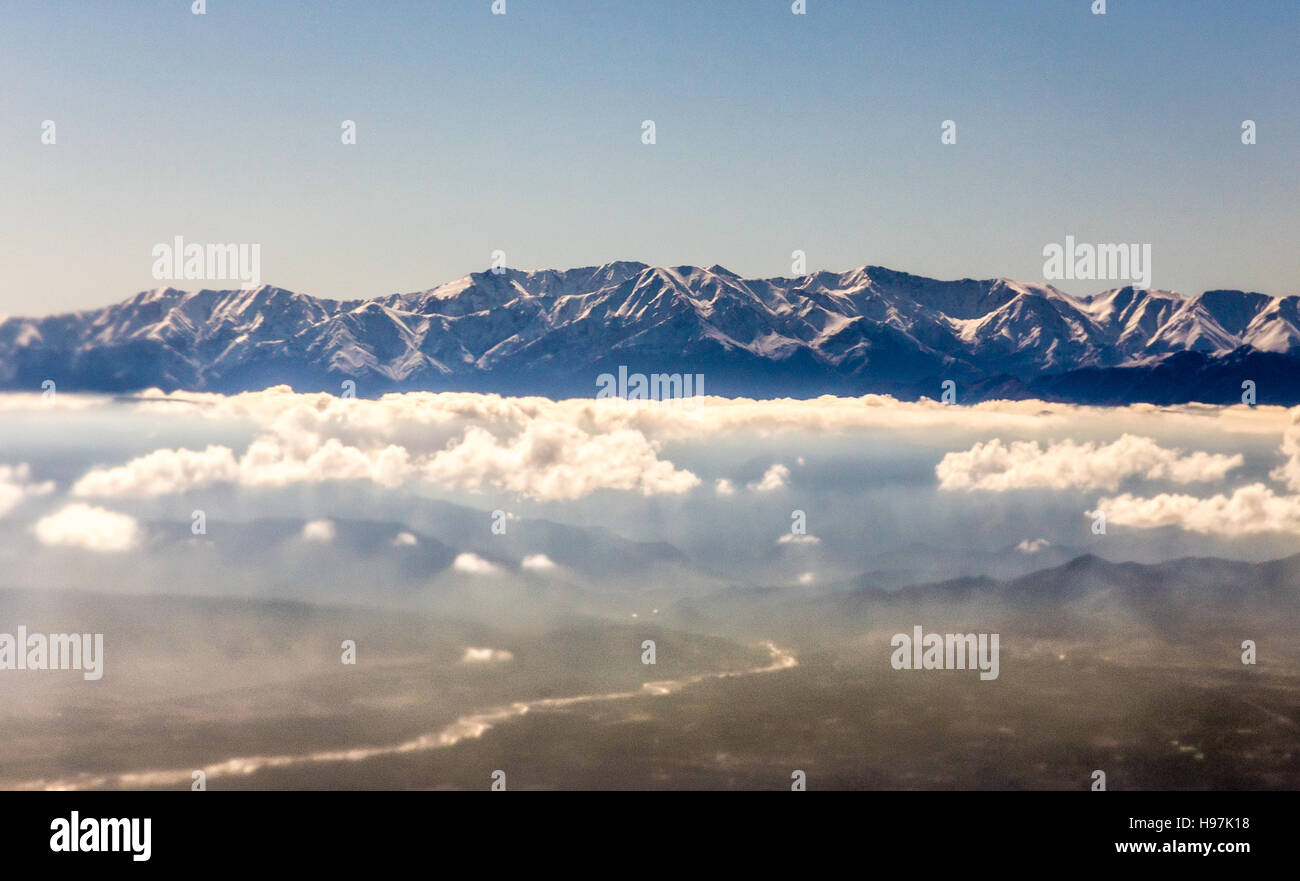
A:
792,538
85,526
563,450
997,466
1028,546
706,416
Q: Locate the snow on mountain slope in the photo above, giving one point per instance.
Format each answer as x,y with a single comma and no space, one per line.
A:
1275,327
553,331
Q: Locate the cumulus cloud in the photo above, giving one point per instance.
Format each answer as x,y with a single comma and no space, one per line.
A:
86,526
791,538
537,561
1032,547
1289,471
473,564
774,478
161,472
486,656
556,461
542,455
997,466
724,487
562,450
269,461
1247,510
405,540
318,530
16,484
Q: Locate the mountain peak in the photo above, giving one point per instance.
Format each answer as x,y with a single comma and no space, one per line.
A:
865,330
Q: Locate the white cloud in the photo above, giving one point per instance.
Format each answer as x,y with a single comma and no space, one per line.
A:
724,487
486,656
806,578
405,540
268,461
85,526
1289,471
560,450
160,472
36,402
554,461
774,478
1032,547
1248,510
16,485
318,530
473,564
549,456
996,466
791,538
538,561
438,413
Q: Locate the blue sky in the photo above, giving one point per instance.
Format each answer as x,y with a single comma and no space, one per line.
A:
522,133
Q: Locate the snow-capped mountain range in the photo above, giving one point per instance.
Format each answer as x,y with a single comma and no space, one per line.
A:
553,332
